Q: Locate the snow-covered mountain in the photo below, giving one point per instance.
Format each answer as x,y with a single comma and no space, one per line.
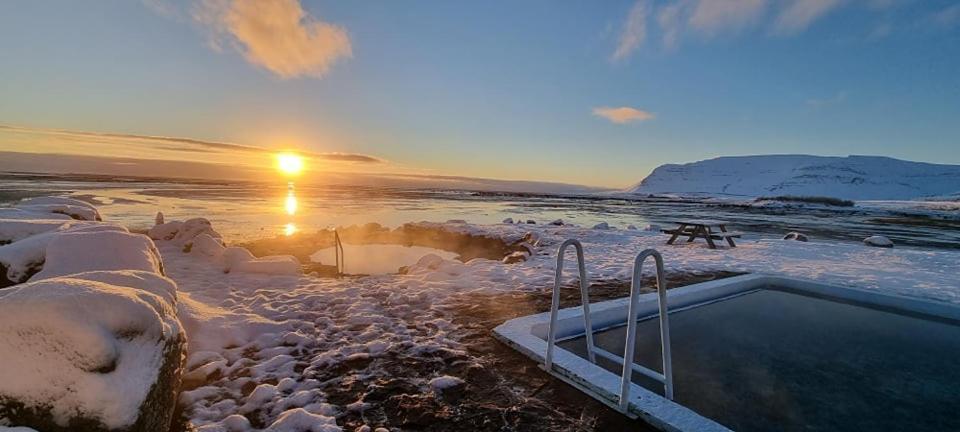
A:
851,177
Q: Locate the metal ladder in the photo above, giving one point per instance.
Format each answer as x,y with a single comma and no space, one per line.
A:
666,378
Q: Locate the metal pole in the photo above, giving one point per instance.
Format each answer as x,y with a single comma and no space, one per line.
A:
555,303
627,375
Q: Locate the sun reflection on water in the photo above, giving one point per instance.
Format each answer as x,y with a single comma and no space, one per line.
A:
290,204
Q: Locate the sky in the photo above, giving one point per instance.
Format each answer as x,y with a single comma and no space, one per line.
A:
592,93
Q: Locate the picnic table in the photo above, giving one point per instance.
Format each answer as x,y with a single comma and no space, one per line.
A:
701,228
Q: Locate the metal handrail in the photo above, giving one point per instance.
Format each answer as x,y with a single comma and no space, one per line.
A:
628,366
338,251
555,303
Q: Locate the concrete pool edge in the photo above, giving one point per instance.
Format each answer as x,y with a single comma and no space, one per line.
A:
527,335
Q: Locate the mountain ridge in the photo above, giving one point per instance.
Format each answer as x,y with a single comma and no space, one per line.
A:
856,177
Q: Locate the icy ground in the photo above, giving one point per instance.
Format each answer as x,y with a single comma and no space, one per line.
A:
293,353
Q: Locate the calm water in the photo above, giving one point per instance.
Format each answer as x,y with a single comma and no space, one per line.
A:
772,360
248,210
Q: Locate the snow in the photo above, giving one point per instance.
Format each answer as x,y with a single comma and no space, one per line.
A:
70,207
851,177
28,254
878,241
261,335
77,345
442,383
74,252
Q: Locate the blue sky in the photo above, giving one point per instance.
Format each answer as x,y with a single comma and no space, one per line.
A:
495,89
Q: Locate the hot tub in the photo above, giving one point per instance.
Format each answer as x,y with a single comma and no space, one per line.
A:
763,352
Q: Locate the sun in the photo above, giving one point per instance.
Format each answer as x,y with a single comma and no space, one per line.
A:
290,164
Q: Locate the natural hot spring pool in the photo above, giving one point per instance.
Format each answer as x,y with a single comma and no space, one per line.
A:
374,259
761,353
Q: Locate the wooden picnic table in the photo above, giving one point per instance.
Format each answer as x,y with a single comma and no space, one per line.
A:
702,228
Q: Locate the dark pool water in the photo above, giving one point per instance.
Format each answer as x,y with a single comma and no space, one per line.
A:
773,360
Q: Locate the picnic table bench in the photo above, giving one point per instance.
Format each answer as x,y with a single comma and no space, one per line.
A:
700,228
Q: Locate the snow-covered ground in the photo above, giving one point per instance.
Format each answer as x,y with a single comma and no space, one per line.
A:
279,351
276,331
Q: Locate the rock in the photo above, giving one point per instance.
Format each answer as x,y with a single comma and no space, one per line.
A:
793,235
117,369
508,221
456,221
159,219
632,227
206,246
556,222
165,231
878,241
192,228
75,252
601,226
516,257
76,209
652,227
531,238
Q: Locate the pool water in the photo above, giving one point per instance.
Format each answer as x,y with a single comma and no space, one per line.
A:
775,360
375,259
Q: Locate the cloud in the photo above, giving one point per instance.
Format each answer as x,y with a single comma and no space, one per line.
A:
706,19
799,14
634,30
715,16
622,115
948,17
277,35
838,98
190,144
670,20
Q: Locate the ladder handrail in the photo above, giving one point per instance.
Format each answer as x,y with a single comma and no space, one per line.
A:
555,303
627,376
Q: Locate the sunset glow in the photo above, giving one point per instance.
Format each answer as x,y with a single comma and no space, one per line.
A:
290,164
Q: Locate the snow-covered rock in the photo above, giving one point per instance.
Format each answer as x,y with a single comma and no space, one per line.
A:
556,222
878,241
516,257
191,228
851,177
632,227
23,258
208,247
445,382
652,227
165,231
12,230
17,213
240,260
601,226
101,351
75,252
73,208
793,235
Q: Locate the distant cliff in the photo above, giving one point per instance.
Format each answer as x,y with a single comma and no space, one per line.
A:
851,177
